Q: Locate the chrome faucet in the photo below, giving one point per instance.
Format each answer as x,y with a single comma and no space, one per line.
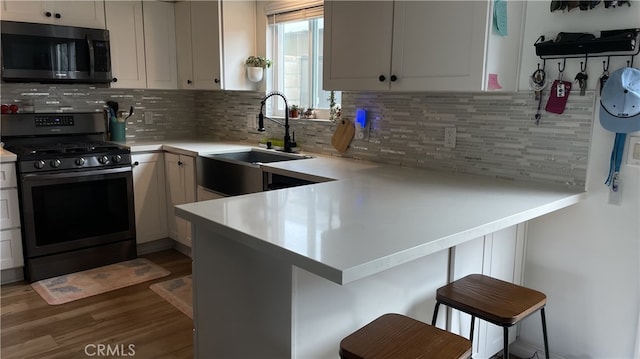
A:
287,138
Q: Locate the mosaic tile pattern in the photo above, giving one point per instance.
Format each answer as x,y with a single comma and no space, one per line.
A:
496,134
158,114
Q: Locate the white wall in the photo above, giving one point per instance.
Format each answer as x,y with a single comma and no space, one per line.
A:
586,257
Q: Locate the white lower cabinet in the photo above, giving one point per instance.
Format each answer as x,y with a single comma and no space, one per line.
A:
499,255
181,188
10,237
149,196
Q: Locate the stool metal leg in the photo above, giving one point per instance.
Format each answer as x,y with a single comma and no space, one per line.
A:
505,350
544,333
435,314
473,323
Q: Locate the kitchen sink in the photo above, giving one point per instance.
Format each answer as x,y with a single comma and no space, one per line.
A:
255,156
236,173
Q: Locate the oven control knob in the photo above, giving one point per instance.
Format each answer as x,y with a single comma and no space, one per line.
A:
38,164
55,163
117,158
80,161
103,159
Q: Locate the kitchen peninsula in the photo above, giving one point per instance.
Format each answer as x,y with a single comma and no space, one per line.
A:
288,273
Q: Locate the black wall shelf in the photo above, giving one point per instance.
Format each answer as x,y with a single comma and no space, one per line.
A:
611,43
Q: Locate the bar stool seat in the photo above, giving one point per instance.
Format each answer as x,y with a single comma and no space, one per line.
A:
395,336
496,301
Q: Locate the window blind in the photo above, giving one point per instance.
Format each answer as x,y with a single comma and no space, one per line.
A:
285,11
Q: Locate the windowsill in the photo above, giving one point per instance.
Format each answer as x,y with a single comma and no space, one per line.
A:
300,119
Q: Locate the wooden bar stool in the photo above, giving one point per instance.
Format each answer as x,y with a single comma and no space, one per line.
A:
395,336
496,301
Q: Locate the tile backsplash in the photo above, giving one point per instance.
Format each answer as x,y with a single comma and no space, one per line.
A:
496,133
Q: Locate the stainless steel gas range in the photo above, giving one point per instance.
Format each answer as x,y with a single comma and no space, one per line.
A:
75,192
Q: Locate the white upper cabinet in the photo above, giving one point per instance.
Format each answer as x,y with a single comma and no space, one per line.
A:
238,43
418,45
198,45
85,13
213,40
160,44
126,32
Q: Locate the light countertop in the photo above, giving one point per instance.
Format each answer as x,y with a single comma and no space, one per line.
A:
6,156
372,217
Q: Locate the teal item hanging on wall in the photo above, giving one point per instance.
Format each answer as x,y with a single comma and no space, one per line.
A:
500,17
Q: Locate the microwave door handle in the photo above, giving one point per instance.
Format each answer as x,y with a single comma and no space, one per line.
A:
92,57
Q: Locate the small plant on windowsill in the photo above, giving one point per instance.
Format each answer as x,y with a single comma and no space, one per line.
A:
256,66
294,111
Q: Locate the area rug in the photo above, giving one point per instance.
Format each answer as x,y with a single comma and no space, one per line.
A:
178,292
74,286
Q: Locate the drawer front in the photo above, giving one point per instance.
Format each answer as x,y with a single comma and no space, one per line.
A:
8,175
11,249
9,210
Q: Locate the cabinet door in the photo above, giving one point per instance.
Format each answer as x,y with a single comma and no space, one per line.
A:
439,45
189,183
205,42
124,22
86,13
150,196
183,45
181,188
28,11
160,44
239,40
357,45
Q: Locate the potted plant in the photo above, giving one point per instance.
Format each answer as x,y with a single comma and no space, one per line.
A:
294,111
256,66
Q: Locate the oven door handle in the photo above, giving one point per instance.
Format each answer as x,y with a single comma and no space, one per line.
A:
77,173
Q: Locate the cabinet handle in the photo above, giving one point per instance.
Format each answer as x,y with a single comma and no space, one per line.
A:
382,78
48,14
216,81
393,78
180,163
115,79
136,163
58,16
189,82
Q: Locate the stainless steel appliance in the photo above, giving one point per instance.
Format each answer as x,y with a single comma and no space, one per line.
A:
75,192
236,173
54,54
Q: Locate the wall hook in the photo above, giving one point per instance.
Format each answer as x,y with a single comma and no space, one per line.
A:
564,63
584,69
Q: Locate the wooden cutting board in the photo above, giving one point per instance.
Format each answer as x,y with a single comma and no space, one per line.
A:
343,135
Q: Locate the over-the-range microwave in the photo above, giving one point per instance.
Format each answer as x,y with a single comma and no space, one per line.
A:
54,54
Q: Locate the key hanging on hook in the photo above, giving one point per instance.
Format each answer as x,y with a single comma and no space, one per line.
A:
605,73
581,77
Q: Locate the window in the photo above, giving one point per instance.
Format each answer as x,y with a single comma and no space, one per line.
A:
296,49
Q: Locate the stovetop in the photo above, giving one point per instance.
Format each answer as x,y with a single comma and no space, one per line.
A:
59,142
32,151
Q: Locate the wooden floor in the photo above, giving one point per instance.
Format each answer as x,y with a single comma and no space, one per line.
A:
134,321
